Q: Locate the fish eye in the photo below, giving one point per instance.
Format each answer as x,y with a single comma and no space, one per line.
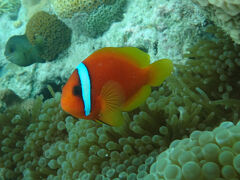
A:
77,91
11,49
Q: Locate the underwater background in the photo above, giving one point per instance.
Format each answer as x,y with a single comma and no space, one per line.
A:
188,128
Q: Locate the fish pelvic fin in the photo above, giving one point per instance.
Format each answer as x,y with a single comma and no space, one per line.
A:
112,118
111,98
159,71
101,122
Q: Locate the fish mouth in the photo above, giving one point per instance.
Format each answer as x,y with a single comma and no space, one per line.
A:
15,58
11,57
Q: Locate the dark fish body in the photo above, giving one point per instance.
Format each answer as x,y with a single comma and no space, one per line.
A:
20,51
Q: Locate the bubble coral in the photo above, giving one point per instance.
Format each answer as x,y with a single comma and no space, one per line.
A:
56,145
204,155
25,134
59,146
213,66
49,34
14,122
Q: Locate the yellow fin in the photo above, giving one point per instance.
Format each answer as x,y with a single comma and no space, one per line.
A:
112,118
111,100
137,98
100,122
135,55
159,71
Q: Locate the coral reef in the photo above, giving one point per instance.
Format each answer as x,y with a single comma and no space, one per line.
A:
225,14
10,6
40,141
56,145
204,155
99,20
155,28
35,6
59,146
14,123
214,65
66,9
49,34
8,98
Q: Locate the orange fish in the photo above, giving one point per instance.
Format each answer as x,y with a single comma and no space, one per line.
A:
110,81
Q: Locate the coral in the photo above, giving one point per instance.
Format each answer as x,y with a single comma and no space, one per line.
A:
13,126
11,6
8,98
49,34
25,132
17,24
225,14
67,9
99,20
58,146
35,6
43,142
213,66
204,155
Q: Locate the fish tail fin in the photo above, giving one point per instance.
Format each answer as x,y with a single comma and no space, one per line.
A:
159,71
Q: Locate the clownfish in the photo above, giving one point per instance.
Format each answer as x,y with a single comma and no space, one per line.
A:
112,80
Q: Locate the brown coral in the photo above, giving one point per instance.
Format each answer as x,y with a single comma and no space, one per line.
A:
48,33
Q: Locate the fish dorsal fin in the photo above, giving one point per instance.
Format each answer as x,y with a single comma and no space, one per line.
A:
111,100
137,99
133,54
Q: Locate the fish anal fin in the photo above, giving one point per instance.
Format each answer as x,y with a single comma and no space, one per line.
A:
111,96
133,54
137,99
112,118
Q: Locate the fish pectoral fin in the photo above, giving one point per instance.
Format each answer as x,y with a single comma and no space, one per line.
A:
111,96
111,100
137,99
